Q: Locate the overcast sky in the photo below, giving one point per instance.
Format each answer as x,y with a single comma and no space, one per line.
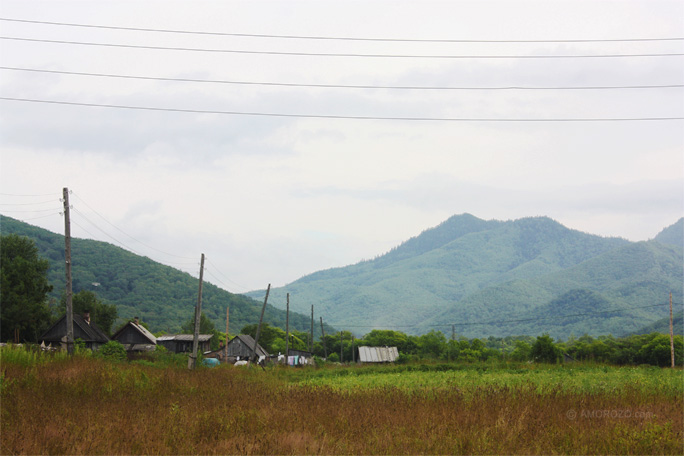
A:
269,199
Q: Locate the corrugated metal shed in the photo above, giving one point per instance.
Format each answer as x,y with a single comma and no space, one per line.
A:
378,354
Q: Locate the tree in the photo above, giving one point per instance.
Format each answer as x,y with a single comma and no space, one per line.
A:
545,350
206,327
23,289
103,315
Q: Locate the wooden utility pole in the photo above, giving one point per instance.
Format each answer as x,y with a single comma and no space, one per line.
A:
311,335
192,361
341,345
325,349
225,347
261,319
353,351
672,357
287,330
67,260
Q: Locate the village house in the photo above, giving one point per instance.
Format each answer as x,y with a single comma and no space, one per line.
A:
135,337
182,343
240,347
84,329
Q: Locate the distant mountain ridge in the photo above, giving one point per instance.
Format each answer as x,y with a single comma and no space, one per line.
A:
481,276
163,297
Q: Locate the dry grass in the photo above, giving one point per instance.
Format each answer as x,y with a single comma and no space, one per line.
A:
90,406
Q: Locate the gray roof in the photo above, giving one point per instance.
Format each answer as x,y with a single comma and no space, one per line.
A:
184,337
91,331
378,354
141,329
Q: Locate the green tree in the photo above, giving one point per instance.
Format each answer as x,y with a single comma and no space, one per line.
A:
206,327
545,350
103,315
432,344
23,289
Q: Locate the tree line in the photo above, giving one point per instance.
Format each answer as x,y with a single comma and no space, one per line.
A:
25,313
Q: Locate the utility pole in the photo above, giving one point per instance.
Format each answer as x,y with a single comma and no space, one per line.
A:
353,351
672,358
287,330
261,319
325,349
67,259
341,345
192,361
225,347
311,337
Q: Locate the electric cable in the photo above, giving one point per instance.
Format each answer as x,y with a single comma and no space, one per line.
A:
329,54
310,37
338,86
324,116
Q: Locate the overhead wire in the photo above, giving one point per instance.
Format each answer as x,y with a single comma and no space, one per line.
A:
225,275
330,54
347,38
337,86
348,117
125,233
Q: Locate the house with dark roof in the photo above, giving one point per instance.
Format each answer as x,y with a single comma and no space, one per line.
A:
182,343
84,329
239,347
135,337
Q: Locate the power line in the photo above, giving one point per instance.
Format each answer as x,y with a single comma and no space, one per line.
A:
339,86
310,37
325,54
123,232
326,116
224,275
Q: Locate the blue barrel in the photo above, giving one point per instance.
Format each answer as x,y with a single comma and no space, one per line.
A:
210,362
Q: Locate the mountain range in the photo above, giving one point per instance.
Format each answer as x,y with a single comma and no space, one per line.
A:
162,296
480,278
474,277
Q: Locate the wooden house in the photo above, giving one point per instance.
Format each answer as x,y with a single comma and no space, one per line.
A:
182,343
242,346
135,337
84,329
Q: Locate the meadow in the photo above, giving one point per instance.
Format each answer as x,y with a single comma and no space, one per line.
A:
53,404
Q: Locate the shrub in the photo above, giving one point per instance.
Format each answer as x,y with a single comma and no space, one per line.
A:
113,350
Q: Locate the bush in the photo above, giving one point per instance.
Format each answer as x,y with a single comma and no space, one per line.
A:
545,350
113,350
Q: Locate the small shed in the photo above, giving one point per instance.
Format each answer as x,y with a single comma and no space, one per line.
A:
378,354
242,345
182,343
135,337
84,329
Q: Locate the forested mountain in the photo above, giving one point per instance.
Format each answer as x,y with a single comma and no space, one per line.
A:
526,276
163,297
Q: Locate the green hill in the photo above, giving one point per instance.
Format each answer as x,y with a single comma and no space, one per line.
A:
521,276
673,234
161,296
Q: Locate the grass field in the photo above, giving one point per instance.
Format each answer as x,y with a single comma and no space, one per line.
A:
93,406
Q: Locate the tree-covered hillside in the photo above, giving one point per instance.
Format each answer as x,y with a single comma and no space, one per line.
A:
468,271
163,297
